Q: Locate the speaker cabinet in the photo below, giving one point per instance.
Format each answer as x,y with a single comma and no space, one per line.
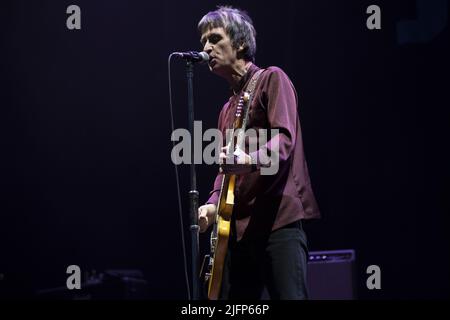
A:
331,275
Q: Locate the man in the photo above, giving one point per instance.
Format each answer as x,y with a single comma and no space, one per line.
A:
267,246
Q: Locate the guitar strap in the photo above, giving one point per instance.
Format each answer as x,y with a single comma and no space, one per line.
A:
252,84
249,90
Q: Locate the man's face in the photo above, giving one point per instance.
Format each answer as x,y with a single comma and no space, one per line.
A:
221,53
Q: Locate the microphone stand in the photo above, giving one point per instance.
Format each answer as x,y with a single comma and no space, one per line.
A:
193,193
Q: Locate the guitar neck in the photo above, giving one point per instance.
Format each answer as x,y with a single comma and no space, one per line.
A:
240,124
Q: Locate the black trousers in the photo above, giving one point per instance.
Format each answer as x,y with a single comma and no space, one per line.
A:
277,263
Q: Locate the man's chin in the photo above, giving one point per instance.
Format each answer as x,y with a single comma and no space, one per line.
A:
212,65
215,69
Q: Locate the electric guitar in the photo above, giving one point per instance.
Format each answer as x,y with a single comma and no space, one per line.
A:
221,228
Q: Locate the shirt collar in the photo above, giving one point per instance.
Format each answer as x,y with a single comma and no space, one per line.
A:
245,79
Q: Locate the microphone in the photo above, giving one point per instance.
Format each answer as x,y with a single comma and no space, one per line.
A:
193,56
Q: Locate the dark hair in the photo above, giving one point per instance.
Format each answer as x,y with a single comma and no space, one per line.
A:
237,24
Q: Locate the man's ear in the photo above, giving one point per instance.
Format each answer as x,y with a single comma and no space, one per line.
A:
240,51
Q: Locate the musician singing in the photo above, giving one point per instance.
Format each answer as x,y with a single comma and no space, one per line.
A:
267,246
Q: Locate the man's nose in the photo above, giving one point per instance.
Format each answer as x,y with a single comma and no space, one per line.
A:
207,48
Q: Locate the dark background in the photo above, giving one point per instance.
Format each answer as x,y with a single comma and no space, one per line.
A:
85,170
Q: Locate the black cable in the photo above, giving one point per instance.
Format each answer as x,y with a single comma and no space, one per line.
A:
180,210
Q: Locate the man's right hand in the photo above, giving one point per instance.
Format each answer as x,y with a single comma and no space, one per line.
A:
206,216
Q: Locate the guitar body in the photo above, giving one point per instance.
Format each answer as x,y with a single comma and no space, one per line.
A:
221,235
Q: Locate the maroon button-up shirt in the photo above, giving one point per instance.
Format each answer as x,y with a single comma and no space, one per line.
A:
267,202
